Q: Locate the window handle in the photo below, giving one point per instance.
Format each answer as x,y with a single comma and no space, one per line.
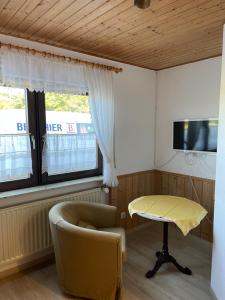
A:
33,142
44,141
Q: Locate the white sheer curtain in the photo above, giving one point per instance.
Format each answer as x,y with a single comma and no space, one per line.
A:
15,157
101,99
35,72
64,153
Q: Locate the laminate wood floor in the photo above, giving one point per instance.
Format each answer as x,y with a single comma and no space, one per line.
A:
168,284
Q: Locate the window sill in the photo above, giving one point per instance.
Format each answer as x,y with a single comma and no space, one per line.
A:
22,196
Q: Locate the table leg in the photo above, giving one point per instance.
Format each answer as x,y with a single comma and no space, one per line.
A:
164,256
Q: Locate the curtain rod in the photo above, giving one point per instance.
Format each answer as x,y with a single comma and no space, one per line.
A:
62,57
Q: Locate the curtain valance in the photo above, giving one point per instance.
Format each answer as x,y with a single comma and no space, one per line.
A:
24,70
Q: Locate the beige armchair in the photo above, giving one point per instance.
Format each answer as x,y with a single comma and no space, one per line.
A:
89,249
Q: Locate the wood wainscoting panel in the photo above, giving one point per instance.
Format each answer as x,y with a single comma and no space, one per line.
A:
131,186
153,182
197,189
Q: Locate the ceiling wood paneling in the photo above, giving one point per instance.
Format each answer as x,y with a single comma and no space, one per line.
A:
169,33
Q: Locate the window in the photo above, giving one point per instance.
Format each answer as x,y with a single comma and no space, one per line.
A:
15,148
45,138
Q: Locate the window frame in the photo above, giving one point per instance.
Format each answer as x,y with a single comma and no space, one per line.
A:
32,180
36,118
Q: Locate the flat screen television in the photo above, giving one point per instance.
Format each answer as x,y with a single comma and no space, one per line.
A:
195,135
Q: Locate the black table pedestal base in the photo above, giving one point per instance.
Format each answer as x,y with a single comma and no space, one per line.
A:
165,257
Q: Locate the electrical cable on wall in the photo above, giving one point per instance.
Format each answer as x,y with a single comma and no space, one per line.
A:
167,162
198,200
190,159
191,163
205,164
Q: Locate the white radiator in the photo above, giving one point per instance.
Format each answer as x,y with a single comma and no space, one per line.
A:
24,229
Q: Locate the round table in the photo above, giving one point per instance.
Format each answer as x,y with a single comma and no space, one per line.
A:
163,256
185,213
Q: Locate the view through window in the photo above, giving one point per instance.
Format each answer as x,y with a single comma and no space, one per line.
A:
15,150
71,141
45,137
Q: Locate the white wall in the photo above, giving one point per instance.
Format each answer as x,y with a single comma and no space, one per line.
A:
135,117
135,104
188,91
218,260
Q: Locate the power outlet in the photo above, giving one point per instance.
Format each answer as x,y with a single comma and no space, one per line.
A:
123,215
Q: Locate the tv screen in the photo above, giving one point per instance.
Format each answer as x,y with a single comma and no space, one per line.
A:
195,135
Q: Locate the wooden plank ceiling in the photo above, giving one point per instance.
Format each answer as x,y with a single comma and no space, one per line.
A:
169,33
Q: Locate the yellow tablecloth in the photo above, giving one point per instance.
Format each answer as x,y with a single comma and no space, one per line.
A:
185,213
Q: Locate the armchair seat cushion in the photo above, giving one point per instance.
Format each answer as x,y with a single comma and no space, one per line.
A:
85,225
121,232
